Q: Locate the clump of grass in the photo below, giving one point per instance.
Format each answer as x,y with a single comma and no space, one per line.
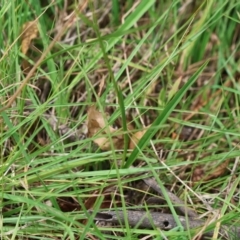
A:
170,66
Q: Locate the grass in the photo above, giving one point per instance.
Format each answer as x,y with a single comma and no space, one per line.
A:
171,66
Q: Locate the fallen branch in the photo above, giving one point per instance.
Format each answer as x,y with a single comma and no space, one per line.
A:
166,222
148,219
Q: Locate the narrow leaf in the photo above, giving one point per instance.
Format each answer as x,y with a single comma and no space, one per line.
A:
162,117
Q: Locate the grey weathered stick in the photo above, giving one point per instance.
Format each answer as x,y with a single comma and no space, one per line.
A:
166,222
148,219
178,203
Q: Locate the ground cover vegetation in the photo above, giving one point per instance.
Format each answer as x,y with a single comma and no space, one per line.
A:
119,119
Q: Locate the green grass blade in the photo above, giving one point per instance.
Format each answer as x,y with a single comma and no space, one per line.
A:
142,8
162,117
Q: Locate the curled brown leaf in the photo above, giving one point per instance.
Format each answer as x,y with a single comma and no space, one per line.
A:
106,136
135,138
29,32
99,128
